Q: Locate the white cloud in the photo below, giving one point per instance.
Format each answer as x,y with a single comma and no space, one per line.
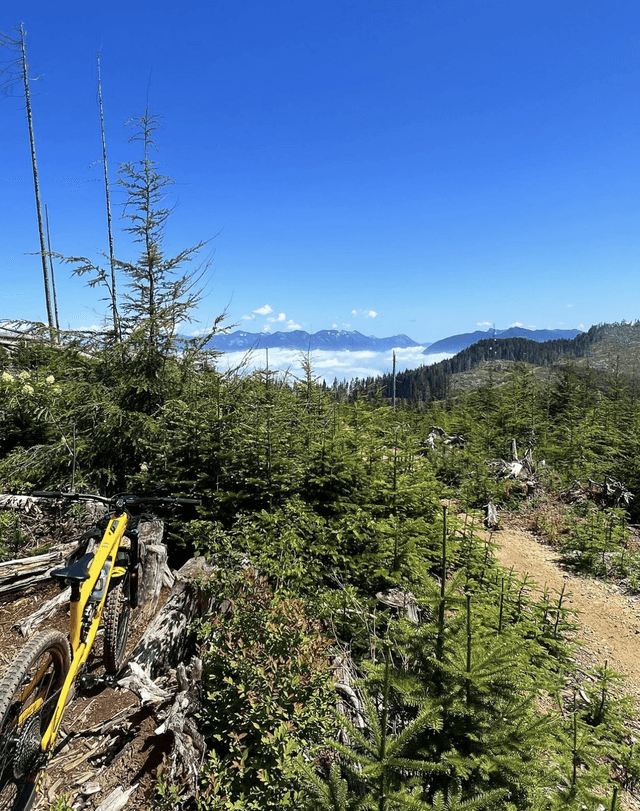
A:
328,364
266,328
279,317
354,312
429,360
516,324
569,305
370,313
92,328
334,326
291,324
248,318
483,324
266,309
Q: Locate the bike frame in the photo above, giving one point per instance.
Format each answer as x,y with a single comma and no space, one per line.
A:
84,624
81,647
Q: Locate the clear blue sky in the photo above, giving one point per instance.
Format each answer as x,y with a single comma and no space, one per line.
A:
441,164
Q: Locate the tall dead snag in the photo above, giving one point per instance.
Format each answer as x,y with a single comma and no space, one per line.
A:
112,259
17,72
53,275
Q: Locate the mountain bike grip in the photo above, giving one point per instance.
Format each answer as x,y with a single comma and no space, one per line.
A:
47,494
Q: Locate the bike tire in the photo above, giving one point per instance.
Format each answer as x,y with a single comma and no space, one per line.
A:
117,611
36,675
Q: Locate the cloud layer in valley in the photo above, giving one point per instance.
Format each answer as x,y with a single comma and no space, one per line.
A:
328,365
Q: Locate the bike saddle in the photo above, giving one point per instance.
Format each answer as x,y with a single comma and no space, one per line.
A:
78,572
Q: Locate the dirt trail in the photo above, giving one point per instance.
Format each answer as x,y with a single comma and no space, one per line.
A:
609,620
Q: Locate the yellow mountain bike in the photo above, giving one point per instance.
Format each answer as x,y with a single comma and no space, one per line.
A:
40,682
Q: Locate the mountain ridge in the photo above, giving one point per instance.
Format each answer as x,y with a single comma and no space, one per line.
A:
456,343
352,340
241,340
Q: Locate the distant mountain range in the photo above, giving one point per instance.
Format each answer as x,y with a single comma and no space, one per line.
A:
241,341
334,339
456,343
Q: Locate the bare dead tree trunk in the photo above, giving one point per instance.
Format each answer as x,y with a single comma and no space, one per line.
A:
36,183
112,260
53,277
394,382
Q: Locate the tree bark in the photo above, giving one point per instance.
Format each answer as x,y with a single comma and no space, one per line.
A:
16,575
165,643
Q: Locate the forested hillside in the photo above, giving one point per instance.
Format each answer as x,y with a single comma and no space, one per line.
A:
434,381
332,502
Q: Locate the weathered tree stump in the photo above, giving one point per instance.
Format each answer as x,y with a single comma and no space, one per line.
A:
349,701
188,747
491,516
165,643
402,601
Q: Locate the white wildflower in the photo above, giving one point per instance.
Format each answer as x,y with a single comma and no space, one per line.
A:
51,379
24,375
7,378
144,467
27,389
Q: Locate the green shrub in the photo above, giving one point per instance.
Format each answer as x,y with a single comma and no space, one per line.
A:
267,696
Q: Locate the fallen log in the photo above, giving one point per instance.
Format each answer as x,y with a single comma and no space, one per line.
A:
22,573
29,624
117,800
26,504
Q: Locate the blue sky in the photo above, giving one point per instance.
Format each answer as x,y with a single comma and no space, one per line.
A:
390,166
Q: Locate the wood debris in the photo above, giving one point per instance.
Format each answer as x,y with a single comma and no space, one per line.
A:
404,602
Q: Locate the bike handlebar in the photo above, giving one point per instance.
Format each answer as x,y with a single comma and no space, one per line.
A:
124,497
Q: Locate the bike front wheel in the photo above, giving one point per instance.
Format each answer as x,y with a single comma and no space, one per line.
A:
29,693
117,611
